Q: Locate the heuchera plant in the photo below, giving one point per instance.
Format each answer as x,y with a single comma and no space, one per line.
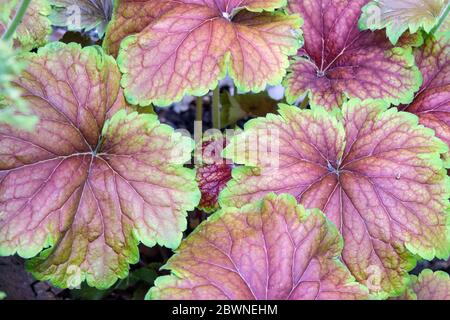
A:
339,61
90,181
288,253
335,196
432,102
374,171
195,43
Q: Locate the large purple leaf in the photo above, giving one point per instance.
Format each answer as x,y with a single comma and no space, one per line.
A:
338,61
374,171
85,183
189,48
270,249
432,102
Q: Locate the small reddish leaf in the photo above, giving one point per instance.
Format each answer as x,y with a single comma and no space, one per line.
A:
190,47
35,26
398,16
375,172
85,183
338,61
428,285
432,102
213,172
270,249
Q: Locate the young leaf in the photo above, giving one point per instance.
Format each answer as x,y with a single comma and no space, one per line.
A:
432,102
189,48
375,172
428,285
35,26
88,182
339,61
213,172
130,17
270,249
82,14
398,16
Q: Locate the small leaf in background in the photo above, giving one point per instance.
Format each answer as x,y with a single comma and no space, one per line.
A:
35,28
374,171
79,15
213,172
432,102
192,46
91,180
428,285
270,249
398,16
241,106
13,108
338,61
2,295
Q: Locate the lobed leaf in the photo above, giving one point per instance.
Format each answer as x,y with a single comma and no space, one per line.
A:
35,26
190,47
428,285
338,61
82,14
398,16
269,249
91,180
432,102
130,17
213,172
375,172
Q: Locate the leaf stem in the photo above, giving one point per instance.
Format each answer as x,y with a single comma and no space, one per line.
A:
305,102
216,108
442,18
199,109
16,21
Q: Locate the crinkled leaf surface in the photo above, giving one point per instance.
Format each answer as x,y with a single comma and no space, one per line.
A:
338,61
376,173
35,26
194,44
432,102
213,172
130,17
87,184
82,14
428,285
270,249
398,16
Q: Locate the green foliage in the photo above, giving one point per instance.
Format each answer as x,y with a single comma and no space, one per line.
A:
13,109
85,176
